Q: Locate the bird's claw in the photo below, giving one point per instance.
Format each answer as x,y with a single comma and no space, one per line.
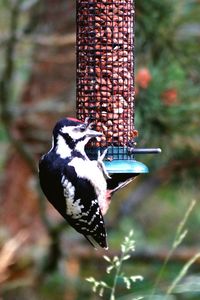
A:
88,123
100,163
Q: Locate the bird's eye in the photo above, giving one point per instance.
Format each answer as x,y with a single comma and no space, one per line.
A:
82,128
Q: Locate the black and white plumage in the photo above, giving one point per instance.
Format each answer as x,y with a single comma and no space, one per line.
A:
75,185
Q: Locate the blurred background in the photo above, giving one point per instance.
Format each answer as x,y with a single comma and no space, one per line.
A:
40,256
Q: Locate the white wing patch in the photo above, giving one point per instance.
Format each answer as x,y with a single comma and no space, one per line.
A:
73,207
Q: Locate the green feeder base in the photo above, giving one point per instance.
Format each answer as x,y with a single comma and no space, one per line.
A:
125,166
120,163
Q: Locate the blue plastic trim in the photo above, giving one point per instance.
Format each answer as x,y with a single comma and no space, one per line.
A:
125,166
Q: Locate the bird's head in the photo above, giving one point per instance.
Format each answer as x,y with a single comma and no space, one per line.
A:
71,134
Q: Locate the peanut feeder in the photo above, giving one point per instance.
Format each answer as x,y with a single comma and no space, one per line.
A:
105,80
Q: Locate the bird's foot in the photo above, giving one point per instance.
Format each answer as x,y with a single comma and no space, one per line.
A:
88,122
101,165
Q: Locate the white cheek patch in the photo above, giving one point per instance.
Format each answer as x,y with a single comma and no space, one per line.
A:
66,129
73,133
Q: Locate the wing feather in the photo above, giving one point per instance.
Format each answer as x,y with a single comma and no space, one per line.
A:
83,211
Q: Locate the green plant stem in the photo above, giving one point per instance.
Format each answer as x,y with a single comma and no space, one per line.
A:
118,269
179,237
182,273
161,272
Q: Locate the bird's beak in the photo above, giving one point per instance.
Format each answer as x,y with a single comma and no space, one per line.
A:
93,133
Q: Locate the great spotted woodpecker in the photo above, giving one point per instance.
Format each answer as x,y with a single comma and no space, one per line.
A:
75,185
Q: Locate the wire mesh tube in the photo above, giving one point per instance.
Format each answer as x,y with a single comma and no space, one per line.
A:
105,68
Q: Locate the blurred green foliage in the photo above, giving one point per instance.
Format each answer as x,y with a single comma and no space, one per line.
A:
168,110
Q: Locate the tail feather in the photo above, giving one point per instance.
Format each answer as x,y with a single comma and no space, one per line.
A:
96,243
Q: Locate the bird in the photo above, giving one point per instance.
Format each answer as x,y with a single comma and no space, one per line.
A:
75,185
